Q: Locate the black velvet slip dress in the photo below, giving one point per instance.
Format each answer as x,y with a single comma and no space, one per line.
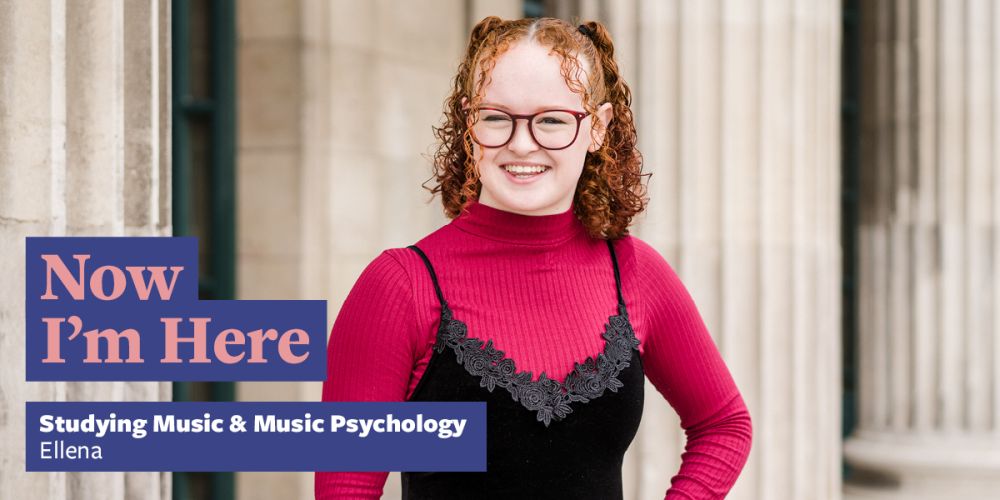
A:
544,439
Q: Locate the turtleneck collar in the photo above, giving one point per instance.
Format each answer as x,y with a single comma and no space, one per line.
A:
495,224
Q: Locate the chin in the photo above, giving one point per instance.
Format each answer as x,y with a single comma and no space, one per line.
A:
527,205
527,201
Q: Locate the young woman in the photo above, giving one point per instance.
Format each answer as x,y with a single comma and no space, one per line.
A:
534,297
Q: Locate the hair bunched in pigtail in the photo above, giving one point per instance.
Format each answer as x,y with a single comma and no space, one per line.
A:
613,173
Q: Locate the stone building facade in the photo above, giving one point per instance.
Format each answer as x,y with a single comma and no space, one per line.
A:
738,107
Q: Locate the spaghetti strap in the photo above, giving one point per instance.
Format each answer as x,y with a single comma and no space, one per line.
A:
618,278
427,262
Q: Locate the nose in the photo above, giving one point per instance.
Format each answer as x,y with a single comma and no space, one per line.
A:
522,142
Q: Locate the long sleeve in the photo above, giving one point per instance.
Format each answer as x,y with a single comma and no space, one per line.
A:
370,358
684,364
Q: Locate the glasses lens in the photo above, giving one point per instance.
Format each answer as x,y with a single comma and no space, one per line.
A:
554,129
492,128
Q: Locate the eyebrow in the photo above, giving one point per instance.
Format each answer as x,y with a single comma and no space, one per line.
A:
540,108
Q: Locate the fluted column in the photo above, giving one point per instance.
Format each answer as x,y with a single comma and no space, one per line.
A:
340,154
84,150
929,337
737,107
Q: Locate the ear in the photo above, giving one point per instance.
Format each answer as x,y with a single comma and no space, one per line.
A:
604,115
465,112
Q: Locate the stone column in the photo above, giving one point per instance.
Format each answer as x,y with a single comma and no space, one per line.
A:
271,234
737,108
340,154
929,340
84,150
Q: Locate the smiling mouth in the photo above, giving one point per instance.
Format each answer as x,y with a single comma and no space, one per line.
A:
524,171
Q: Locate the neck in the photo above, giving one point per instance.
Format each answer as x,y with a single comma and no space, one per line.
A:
496,224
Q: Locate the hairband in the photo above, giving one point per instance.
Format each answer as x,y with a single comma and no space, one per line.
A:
589,33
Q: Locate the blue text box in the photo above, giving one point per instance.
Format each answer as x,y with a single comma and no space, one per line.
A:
217,340
428,447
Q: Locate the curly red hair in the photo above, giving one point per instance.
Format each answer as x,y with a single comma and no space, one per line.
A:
610,192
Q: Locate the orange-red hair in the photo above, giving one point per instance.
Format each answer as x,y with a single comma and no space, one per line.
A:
610,192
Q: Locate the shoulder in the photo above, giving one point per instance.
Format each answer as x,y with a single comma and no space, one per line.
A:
654,278
388,272
401,268
642,259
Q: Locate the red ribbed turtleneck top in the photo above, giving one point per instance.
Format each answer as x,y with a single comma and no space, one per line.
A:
541,288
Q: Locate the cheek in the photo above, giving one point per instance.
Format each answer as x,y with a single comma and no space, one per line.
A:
570,160
482,157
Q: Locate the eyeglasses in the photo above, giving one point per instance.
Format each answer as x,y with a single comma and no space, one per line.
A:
552,129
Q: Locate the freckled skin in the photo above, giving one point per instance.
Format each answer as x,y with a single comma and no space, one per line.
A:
526,80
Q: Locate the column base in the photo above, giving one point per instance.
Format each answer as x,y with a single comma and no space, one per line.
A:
914,467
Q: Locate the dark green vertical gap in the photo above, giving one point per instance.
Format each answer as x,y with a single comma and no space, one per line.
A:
181,179
204,204
850,158
224,147
181,175
534,8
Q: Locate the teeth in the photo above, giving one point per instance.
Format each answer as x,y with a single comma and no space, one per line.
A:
524,169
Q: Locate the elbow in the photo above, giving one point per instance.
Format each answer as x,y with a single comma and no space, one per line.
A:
738,427
731,428
740,422
745,423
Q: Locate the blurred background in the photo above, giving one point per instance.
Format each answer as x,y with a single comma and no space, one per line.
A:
825,183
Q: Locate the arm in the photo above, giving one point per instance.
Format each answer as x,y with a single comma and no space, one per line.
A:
370,358
684,364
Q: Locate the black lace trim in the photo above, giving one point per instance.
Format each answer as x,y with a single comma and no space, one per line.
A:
547,396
